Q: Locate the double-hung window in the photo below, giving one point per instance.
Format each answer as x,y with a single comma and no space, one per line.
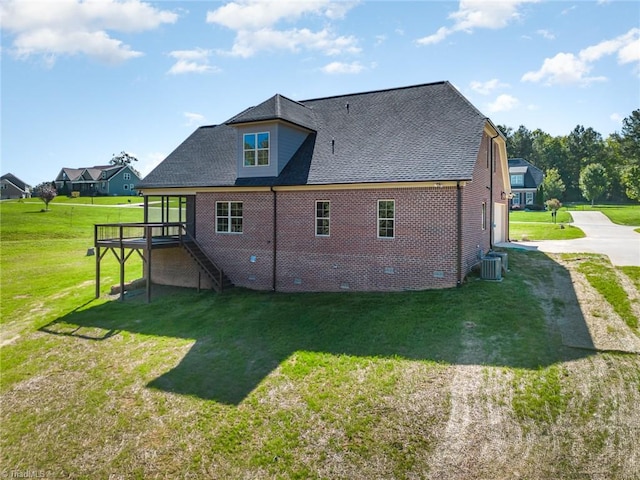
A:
256,149
229,217
126,176
386,218
323,217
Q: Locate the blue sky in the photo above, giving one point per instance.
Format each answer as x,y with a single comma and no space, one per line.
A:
82,81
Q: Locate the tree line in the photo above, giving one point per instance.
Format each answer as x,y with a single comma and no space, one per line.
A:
583,164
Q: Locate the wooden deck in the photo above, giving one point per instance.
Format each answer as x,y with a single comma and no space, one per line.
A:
139,235
122,239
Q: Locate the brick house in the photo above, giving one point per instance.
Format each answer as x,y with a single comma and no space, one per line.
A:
387,190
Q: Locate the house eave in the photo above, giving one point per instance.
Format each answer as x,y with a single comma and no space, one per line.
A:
158,191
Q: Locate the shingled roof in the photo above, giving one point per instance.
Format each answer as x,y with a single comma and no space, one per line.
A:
425,132
533,176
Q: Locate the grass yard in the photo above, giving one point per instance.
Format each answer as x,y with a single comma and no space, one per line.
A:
563,216
543,231
473,382
530,226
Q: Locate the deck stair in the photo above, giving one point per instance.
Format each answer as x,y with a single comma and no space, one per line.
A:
219,280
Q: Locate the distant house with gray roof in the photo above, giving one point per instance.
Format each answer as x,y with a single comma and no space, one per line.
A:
526,179
394,189
12,187
116,180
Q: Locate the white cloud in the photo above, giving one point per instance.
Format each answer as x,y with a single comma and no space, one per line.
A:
341,67
570,69
546,34
503,103
191,61
616,117
472,14
71,27
254,22
193,119
485,88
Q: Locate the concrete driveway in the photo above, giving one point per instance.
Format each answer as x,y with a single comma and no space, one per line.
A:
620,243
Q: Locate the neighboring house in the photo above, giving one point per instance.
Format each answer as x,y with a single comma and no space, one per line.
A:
98,180
526,179
397,189
12,187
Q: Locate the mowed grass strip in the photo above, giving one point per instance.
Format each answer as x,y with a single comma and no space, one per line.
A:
602,276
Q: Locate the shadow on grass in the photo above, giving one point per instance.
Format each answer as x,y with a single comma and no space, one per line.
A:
242,336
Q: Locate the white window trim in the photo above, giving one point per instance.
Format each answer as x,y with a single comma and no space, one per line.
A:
517,184
126,176
322,218
483,219
527,196
379,218
125,186
229,217
256,150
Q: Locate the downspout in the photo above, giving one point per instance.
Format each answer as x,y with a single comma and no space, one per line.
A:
274,239
459,225
491,171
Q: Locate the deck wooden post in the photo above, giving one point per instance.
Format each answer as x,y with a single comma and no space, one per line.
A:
122,261
147,265
97,272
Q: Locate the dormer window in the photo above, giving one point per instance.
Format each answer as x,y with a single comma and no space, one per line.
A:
517,179
256,149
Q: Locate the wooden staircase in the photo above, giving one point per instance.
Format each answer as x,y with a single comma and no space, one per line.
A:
219,280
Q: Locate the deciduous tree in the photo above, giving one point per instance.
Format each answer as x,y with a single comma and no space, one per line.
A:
593,181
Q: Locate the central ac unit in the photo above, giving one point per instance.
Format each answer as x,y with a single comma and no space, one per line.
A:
491,268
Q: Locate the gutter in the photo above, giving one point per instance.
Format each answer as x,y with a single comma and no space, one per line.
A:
491,171
459,233
274,239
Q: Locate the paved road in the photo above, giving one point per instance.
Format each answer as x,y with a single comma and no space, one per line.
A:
620,243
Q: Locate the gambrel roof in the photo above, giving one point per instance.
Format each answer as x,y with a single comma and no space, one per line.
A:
426,132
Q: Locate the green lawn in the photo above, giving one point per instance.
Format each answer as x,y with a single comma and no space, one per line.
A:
543,231
532,226
262,385
563,216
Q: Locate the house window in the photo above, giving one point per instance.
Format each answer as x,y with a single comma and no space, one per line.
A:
104,184
229,217
126,176
322,218
104,174
131,185
125,186
517,179
484,216
386,218
529,197
256,149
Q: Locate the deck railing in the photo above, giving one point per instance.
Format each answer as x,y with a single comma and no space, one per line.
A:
122,232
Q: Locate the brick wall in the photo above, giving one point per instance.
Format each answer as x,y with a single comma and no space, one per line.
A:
174,266
422,255
475,193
